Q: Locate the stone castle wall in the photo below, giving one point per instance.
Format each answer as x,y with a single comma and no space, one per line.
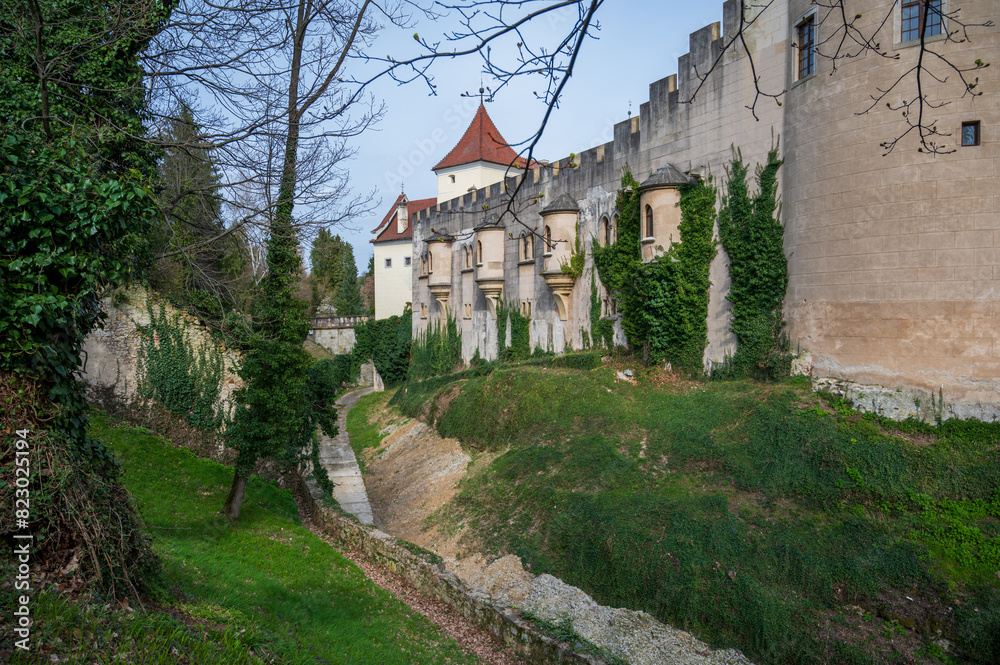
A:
894,260
112,353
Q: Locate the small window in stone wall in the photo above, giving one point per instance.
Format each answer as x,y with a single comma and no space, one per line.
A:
423,311
914,13
407,261
527,246
649,221
970,133
468,310
807,46
479,252
388,263
548,240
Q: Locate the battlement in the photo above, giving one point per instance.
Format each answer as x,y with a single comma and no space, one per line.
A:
665,115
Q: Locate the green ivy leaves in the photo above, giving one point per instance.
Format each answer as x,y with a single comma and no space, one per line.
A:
752,236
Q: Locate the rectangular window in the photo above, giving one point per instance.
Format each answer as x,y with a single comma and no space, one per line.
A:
970,133
406,261
807,46
912,16
388,263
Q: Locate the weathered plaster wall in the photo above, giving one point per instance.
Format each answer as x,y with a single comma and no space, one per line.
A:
335,340
894,260
111,354
335,333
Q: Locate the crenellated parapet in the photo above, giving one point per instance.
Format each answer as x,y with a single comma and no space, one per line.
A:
893,261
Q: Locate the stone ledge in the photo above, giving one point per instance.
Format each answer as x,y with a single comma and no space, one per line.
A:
500,620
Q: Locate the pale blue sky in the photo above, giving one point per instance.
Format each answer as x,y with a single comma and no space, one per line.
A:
639,42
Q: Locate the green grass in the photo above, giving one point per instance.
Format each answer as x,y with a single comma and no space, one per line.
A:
98,634
294,596
364,433
741,511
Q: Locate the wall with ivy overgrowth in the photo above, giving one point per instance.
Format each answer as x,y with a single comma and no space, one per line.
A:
113,356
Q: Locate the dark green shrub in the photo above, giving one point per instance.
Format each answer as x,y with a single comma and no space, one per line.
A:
387,343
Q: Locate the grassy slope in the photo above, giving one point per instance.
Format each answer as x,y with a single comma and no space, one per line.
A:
750,514
267,584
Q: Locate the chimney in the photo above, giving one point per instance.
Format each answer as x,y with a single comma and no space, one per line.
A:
402,220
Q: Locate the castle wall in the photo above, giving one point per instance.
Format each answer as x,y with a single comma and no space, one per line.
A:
894,260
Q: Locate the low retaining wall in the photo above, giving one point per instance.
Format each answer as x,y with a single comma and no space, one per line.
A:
432,581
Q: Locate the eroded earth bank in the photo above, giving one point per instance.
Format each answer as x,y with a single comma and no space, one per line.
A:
412,475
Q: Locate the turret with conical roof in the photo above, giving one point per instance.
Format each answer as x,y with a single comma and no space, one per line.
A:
480,158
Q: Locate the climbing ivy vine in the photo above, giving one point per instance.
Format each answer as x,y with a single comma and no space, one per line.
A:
437,351
663,304
171,372
520,342
618,263
387,343
602,331
676,284
751,233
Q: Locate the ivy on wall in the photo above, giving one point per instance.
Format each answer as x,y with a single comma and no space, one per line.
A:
663,304
387,343
602,331
619,263
676,284
171,372
520,329
751,233
574,266
437,351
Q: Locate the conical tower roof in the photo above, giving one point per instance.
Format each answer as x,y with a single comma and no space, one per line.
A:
482,142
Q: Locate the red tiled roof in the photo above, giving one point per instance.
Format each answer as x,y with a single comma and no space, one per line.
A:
481,142
387,229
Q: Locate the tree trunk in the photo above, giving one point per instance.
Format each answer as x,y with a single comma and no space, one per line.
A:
235,498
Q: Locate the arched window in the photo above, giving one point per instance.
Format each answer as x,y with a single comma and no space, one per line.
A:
649,221
548,240
467,254
479,252
430,261
605,231
526,246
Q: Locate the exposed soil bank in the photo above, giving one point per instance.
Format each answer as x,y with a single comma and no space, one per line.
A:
414,473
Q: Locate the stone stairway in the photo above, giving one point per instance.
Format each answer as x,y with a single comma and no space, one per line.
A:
337,457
